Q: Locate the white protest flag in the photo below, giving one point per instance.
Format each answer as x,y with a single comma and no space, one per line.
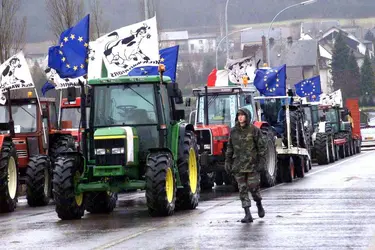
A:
129,47
15,74
239,68
95,63
60,83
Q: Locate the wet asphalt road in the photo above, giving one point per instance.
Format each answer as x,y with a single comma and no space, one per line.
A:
331,208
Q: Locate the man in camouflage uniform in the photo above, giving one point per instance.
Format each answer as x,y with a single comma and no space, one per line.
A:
244,159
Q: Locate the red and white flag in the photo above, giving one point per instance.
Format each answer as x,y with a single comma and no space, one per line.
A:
218,78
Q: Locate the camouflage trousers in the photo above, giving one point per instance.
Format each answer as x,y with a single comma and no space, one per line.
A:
248,182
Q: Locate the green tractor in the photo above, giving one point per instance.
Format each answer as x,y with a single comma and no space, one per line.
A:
136,139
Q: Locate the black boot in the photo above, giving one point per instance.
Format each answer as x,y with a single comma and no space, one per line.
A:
247,217
261,212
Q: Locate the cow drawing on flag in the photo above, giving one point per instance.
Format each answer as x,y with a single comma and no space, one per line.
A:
121,51
8,75
240,68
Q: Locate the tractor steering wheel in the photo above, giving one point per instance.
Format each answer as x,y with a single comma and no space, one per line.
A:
126,108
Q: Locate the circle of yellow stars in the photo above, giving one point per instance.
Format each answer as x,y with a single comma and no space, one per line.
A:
265,78
307,93
63,59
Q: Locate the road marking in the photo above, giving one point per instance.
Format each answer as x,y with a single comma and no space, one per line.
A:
338,163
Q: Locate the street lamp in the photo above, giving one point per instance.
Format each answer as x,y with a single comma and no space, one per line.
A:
269,29
226,37
226,27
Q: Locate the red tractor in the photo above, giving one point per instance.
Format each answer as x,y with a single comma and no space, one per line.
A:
30,142
215,114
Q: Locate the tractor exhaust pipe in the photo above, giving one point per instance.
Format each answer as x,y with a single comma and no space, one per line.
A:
205,106
11,121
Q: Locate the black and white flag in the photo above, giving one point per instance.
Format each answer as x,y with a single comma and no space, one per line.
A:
15,74
126,48
241,67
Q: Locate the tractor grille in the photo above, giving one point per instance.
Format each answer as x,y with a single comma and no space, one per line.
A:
204,141
108,158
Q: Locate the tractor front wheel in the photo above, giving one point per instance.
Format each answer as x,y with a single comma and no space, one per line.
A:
189,170
70,205
101,202
8,177
160,184
38,181
322,148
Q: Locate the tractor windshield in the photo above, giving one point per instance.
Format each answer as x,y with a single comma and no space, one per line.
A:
120,105
24,117
221,109
74,115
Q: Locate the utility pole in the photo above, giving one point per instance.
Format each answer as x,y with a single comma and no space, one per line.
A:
146,9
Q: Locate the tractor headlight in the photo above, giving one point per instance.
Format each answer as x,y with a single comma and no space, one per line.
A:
100,151
118,150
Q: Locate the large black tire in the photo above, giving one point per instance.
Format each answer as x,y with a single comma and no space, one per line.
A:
38,181
269,173
296,128
288,169
159,166
69,206
322,149
299,166
60,144
101,202
8,177
189,170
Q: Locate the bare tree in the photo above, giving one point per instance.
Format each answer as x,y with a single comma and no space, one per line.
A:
12,30
64,14
97,22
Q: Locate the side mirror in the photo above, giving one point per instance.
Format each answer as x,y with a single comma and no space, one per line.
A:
248,100
72,94
188,102
178,97
45,113
179,114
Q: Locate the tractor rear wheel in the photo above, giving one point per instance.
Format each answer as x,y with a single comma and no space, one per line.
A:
288,169
38,181
8,177
101,202
189,170
160,184
322,148
70,205
269,173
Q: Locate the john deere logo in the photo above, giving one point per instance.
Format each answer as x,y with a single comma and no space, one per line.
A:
108,150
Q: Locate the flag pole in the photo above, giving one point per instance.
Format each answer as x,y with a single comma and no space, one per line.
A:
60,100
41,114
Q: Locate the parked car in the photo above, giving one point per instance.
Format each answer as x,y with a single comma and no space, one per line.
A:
368,135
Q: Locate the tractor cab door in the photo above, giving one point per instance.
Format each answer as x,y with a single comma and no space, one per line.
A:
45,126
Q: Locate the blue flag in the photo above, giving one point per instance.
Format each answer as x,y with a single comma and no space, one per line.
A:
309,87
168,57
271,82
46,87
69,58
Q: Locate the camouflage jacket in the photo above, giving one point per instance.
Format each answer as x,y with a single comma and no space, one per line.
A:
245,148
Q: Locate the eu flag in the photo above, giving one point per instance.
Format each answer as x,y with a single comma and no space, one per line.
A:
271,82
309,87
46,87
168,56
69,58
